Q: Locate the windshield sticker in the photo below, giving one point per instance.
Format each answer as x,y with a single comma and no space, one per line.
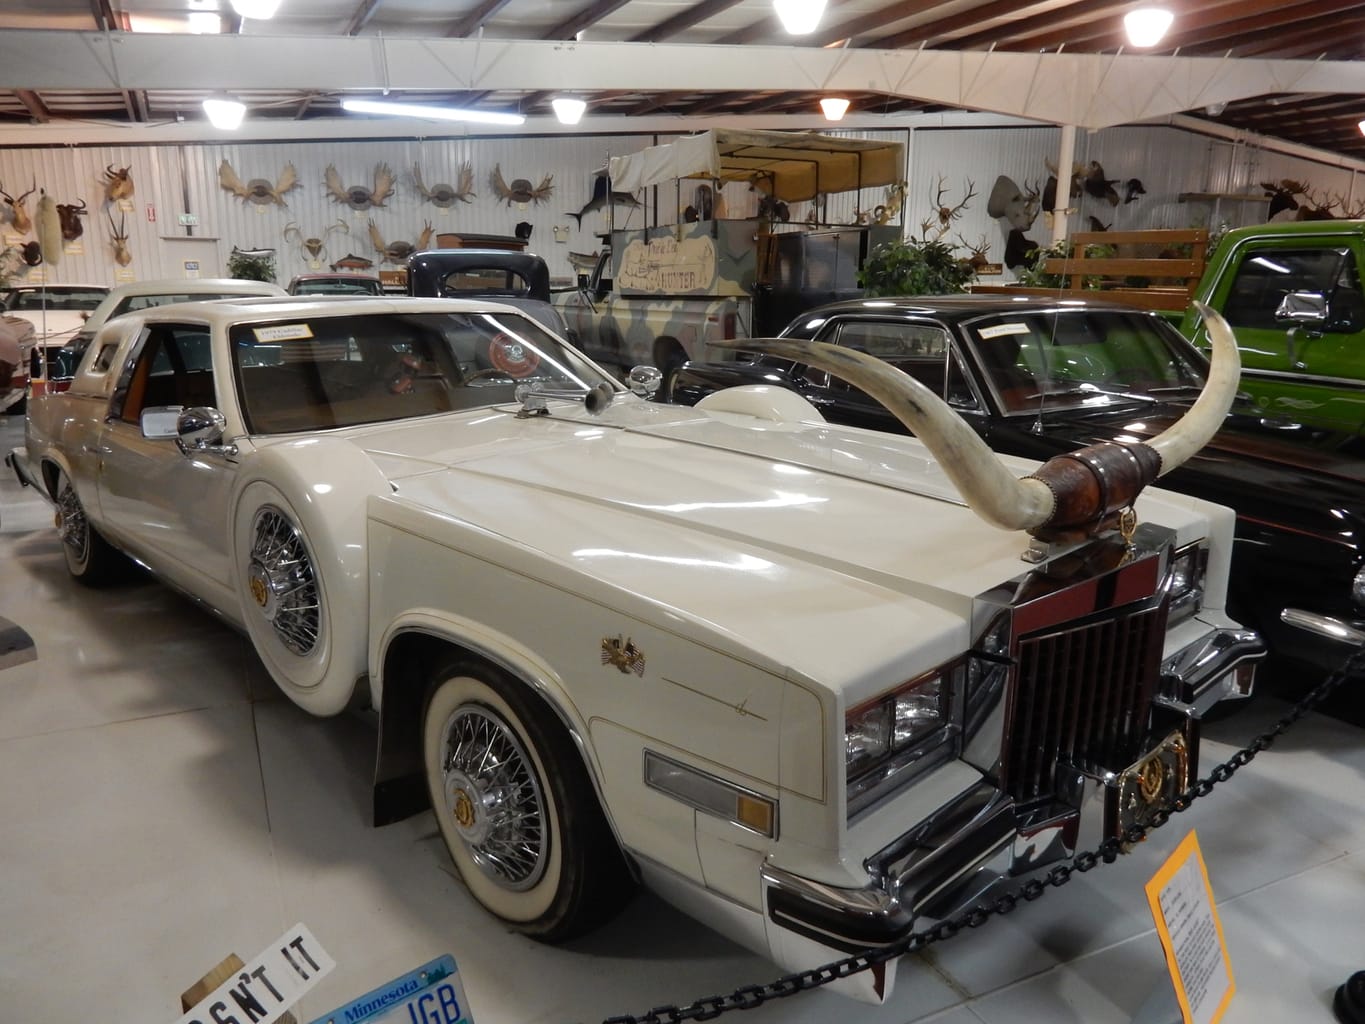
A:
1001,330
283,332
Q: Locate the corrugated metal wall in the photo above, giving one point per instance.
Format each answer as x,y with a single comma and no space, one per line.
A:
175,180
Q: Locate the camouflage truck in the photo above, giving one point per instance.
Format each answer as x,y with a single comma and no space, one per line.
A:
663,295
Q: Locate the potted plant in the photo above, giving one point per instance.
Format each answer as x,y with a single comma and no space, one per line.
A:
914,267
251,266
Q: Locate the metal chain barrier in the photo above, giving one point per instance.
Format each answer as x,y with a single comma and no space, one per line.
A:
749,997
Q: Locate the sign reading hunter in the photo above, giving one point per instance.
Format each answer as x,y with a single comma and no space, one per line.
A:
266,987
432,994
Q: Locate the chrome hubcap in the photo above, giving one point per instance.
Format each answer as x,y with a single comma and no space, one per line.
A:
71,524
282,583
493,798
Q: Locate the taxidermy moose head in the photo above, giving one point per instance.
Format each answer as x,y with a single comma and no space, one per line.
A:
259,190
23,223
357,197
398,252
444,195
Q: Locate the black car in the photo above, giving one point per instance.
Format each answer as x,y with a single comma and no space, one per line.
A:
1038,376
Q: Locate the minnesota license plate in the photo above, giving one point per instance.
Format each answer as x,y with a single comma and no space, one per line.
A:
432,994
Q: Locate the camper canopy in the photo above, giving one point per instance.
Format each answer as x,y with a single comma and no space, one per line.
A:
791,166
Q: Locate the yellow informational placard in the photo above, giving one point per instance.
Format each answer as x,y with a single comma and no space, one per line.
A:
1191,934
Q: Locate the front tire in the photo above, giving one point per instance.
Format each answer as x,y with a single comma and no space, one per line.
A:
516,807
90,558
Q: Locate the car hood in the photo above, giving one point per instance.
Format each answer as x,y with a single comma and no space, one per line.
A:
769,539
54,325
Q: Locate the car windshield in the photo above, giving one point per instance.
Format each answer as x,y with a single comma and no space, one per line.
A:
1074,359
337,286
320,372
55,298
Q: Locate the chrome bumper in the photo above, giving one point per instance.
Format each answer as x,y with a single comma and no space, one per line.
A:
977,840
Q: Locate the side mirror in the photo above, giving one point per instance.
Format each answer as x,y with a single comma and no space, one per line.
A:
200,429
1303,308
644,381
160,422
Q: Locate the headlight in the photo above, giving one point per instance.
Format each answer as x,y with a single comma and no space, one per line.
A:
1185,581
887,739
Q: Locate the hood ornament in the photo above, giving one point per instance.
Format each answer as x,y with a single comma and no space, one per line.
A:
1070,497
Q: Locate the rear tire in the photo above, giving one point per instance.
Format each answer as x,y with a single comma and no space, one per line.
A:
90,558
516,807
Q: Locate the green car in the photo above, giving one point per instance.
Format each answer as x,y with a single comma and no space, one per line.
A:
1292,293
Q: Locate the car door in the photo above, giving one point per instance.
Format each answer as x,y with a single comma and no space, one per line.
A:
922,349
169,509
1306,371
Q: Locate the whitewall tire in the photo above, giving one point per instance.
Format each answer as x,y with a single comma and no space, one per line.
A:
89,557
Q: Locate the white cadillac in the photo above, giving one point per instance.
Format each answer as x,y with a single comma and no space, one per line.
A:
817,686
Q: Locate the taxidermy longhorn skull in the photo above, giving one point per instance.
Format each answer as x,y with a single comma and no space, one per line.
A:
70,215
49,228
358,197
314,247
398,252
117,184
445,195
23,223
118,238
259,190
521,190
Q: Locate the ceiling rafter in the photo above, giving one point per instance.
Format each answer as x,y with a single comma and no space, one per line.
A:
590,15
105,18
34,104
1326,29
475,19
769,29
683,20
362,16
1088,21
871,21
944,28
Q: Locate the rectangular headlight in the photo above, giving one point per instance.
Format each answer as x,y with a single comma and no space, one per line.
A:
1185,581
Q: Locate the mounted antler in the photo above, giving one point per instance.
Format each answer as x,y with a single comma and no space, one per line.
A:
948,214
118,238
1318,207
977,260
23,223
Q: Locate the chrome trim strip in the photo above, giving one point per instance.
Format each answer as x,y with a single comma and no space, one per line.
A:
1304,377
1324,625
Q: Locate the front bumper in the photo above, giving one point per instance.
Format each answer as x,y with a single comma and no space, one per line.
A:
1309,630
979,840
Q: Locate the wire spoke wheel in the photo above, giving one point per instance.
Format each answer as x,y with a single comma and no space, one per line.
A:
72,526
282,581
495,798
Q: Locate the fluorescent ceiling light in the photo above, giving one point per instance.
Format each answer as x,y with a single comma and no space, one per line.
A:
1147,25
835,107
225,114
258,9
432,113
568,110
799,17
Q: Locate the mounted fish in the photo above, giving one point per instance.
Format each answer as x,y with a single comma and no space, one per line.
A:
49,227
19,217
444,195
352,262
70,215
358,197
521,190
118,184
315,248
398,252
259,190
118,238
601,198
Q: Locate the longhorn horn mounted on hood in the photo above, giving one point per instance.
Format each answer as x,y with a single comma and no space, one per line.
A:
1069,497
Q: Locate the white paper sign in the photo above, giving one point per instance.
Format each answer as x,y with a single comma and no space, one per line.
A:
269,985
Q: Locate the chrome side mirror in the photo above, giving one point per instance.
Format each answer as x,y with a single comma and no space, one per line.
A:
1306,308
644,381
200,429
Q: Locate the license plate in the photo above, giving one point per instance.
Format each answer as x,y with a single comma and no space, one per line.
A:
1152,783
432,994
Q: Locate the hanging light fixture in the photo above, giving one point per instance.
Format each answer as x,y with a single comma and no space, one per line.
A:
224,114
1147,25
431,113
257,9
568,109
835,107
799,17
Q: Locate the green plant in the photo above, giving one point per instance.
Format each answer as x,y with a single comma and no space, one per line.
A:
248,267
914,267
1033,274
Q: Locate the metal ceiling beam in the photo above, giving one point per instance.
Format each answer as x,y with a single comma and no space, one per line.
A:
569,28
1326,31
683,20
34,104
105,19
362,16
475,18
1099,26
944,28
769,29
872,21
1044,31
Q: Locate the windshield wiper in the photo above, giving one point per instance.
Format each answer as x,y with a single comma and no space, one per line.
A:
1091,389
1175,389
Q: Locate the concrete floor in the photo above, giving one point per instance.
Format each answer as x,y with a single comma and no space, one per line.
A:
163,805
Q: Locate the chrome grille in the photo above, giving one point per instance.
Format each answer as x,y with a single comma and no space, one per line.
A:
1082,699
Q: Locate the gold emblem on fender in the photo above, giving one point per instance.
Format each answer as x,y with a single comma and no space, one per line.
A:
622,652
258,590
1151,778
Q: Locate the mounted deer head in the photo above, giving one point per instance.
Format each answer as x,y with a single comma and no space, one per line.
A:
23,223
118,184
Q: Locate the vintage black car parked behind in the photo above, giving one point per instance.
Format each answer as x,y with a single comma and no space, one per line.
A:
1036,377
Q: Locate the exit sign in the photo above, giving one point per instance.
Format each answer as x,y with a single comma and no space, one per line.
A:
188,220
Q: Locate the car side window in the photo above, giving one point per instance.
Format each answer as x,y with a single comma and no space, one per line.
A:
170,366
1265,276
924,351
